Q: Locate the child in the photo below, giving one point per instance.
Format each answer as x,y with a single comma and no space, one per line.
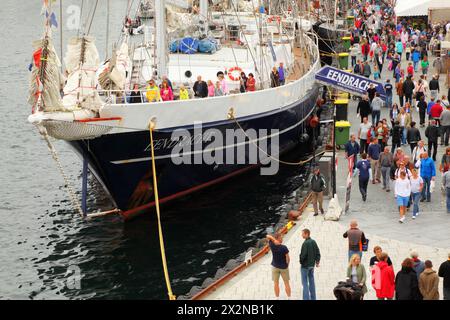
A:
376,73
410,70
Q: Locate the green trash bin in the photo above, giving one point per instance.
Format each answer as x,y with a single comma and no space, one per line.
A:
343,60
341,109
350,21
346,42
342,132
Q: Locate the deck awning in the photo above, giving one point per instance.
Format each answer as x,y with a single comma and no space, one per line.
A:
411,8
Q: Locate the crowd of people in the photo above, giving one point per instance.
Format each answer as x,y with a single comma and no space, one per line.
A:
415,280
201,89
378,42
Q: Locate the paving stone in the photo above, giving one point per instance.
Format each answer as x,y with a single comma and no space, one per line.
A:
429,234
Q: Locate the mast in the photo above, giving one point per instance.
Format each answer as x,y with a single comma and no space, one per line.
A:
204,9
107,29
61,30
335,14
161,42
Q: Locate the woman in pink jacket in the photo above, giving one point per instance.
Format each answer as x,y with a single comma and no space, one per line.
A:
166,92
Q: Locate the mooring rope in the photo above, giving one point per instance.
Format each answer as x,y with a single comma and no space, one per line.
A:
160,231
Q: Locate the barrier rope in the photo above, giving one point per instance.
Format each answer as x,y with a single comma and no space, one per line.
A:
232,117
51,148
160,231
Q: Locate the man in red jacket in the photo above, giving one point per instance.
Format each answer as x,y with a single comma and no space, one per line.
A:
435,111
383,278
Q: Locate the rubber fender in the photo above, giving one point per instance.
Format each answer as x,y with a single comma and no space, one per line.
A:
220,273
231,264
194,290
207,282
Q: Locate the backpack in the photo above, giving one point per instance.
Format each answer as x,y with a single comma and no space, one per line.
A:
371,134
347,290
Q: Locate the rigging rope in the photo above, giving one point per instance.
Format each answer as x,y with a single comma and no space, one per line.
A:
92,18
160,231
245,37
51,148
233,118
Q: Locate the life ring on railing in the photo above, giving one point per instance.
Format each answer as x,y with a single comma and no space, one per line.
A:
234,73
273,18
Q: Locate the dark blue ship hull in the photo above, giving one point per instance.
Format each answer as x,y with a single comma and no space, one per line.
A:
327,41
122,162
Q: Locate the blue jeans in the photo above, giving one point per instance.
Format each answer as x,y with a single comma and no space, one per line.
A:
448,199
416,200
389,100
309,288
404,133
375,116
351,253
415,63
426,188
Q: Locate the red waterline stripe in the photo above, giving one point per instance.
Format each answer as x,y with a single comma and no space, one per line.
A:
135,211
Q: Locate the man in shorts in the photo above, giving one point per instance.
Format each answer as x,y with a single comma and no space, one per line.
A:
280,264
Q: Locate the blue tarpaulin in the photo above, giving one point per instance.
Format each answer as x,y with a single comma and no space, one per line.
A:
349,82
189,45
207,45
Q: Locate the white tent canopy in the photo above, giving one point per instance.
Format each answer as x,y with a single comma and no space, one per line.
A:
409,8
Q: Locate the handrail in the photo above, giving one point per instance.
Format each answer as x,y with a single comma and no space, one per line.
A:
304,78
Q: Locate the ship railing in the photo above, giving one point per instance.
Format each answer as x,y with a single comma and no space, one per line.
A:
282,96
124,96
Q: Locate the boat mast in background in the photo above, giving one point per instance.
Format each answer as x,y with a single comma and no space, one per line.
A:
161,37
204,9
204,16
107,28
61,31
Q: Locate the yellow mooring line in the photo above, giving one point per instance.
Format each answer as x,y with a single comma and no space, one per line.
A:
161,238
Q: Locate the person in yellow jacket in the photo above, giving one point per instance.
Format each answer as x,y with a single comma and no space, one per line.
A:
184,93
152,92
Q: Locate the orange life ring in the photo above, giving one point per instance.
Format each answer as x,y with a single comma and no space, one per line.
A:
232,72
272,18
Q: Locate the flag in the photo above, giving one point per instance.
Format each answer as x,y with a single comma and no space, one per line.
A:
37,57
45,7
52,19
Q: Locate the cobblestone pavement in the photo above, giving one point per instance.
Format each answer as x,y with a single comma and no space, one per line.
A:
429,234
256,283
379,214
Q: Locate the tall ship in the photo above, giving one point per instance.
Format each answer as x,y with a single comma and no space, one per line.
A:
329,26
106,110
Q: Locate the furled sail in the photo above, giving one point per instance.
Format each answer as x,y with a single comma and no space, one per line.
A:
82,61
114,75
46,79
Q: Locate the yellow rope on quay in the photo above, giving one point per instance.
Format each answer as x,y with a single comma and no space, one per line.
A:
161,238
232,117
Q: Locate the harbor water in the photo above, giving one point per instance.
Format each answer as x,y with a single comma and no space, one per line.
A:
42,237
